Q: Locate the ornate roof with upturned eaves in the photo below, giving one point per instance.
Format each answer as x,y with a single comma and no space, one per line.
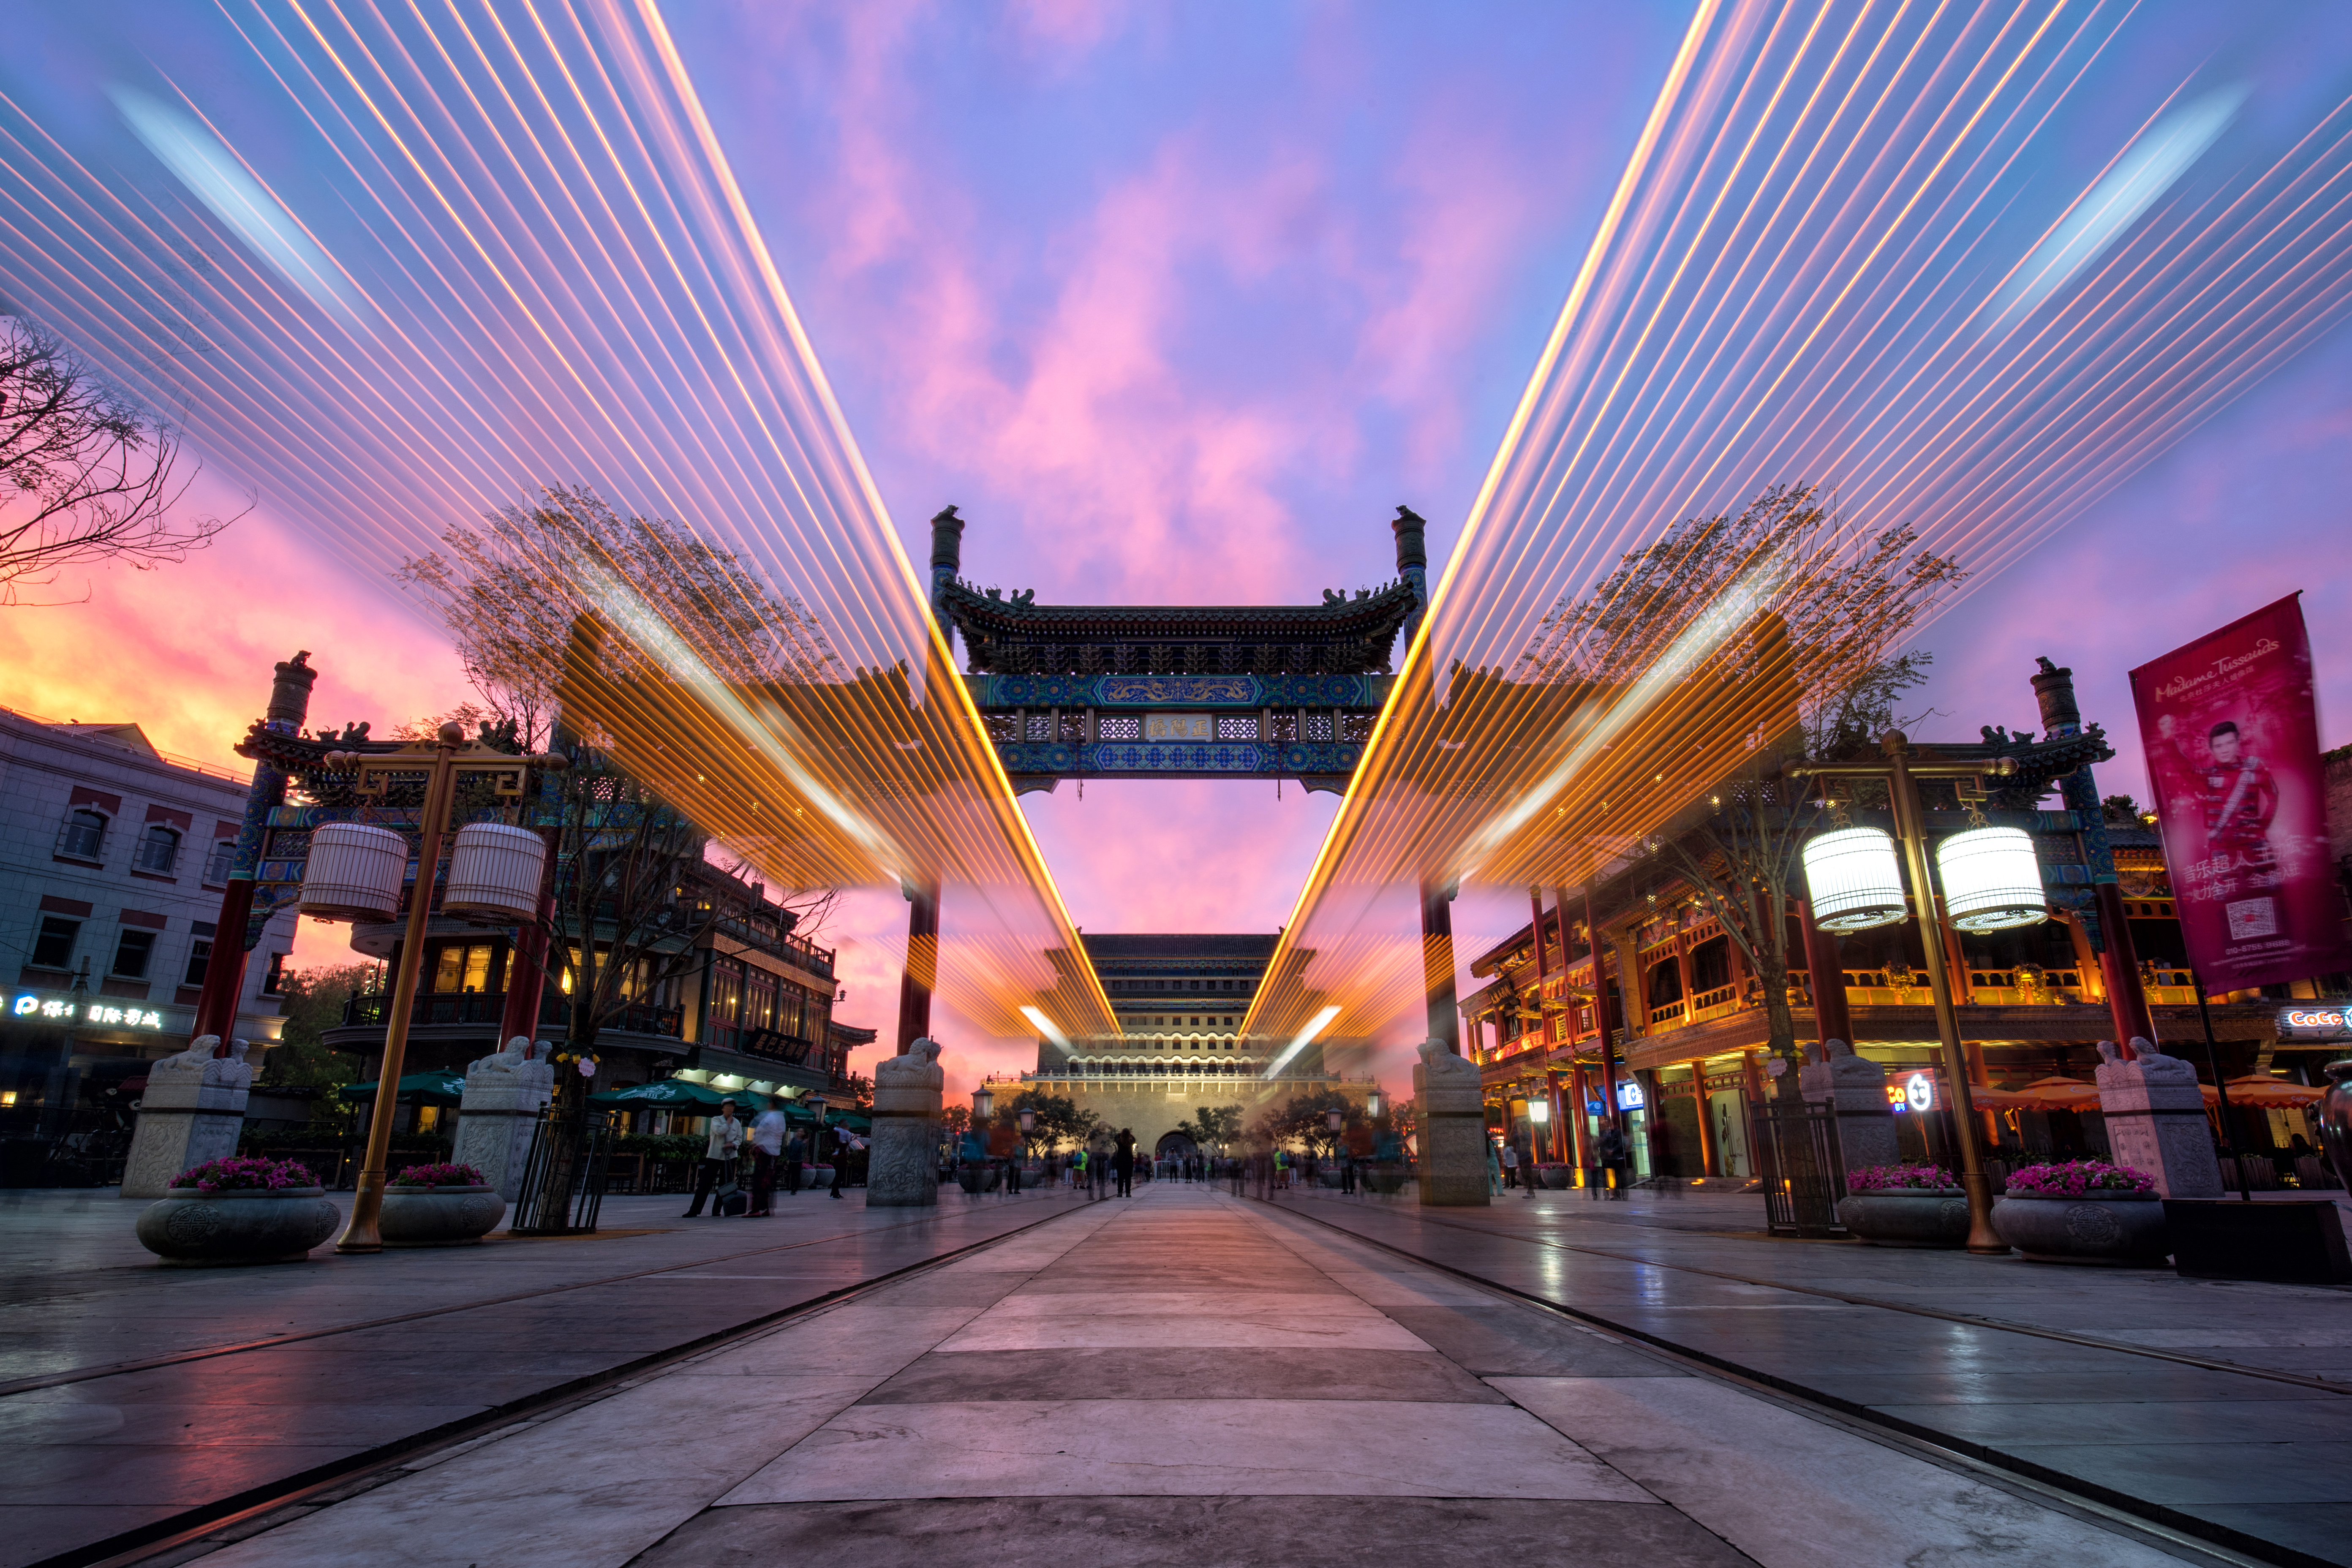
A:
1341,636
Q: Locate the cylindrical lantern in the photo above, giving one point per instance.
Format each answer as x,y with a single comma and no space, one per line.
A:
354,872
1991,881
494,873
1854,879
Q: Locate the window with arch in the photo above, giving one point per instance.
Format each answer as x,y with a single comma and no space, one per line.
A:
159,849
84,834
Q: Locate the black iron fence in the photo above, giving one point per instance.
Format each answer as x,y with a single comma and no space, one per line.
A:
565,1178
1802,1166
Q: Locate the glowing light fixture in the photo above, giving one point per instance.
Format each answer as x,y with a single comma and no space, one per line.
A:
354,872
1991,881
1373,1105
1854,879
1046,1027
983,1105
1539,1112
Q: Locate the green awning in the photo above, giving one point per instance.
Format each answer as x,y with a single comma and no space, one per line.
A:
417,1088
678,1093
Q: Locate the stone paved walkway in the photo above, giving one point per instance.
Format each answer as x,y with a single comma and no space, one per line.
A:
2222,1408
1183,1378
117,1413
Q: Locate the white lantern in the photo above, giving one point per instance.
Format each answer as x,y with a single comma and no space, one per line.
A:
1991,881
494,874
1854,879
354,872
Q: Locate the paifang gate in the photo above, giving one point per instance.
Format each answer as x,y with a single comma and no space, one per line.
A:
1074,692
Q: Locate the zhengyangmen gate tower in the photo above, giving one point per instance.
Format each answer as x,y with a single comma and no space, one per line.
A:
1256,692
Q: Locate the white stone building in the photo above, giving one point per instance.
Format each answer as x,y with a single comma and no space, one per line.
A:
112,859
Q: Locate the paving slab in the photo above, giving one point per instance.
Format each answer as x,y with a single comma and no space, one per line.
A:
2085,1377
922,1424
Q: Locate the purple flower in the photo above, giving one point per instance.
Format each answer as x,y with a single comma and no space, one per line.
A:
236,1174
2078,1178
441,1173
1898,1178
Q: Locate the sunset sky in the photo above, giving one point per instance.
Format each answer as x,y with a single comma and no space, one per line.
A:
1176,303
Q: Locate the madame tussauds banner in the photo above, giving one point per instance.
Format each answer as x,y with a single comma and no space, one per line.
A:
2233,755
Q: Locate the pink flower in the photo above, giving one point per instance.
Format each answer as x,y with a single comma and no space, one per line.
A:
2078,1178
1898,1178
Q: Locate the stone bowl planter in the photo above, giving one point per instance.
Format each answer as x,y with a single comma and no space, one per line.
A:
1556,1177
816,1176
439,1216
1913,1217
1384,1178
2119,1230
1329,1176
189,1229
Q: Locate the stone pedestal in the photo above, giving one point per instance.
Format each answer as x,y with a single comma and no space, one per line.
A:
1453,1136
505,1093
2155,1121
194,1111
902,1157
1857,1087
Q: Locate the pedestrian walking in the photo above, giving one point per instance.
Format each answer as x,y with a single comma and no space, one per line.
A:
719,1154
1612,1160
1122,1161
1347,1175
795,1157
767,1148
1510,1165
1493,1170
842,1145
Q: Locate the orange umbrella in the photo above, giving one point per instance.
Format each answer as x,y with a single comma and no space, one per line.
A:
2261,1093
2042,1094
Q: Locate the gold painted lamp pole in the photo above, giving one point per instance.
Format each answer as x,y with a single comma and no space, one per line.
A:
1902,770
441,762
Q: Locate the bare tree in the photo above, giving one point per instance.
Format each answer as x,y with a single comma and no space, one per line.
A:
513,588
85,474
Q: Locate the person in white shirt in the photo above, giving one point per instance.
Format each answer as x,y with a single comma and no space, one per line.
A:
766,1143
726,1140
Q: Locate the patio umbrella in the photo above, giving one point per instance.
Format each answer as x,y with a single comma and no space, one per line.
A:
2059,1094
418,1088
2259,1093
676,1093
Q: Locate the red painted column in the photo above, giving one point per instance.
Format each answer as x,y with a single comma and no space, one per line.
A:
922,974
1830,1018
2119,967
290,703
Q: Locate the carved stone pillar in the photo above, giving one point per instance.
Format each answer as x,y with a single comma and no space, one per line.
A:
1453,1132
506,1093
193,1110
1865,1118
902,1169
2155,1120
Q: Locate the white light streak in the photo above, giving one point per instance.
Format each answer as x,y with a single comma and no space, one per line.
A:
217,178
2148,169
1045,1027
1305,1037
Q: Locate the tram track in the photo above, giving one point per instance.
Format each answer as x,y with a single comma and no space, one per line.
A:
207,1353
348,1474
2186,1529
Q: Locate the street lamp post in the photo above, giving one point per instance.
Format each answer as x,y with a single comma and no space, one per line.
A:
448,756
1902,770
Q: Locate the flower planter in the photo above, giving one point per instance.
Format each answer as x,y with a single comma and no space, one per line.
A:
1558,1178
439,1216
816,1176
1329,1176
1918,1216
2123,1230
1384,1178
191,1229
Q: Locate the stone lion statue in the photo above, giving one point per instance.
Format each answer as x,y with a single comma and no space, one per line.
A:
518,1051
1438,1060
919,1068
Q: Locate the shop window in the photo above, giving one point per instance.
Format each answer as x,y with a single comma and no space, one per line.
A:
1711,963
274,983
200,961
84,835
53,948
134,951
221,861
158,851
1665,983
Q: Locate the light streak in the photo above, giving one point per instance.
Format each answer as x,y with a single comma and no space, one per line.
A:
1301,1041
1046,1027
2145,171
1798,278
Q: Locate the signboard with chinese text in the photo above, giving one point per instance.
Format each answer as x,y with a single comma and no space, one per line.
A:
2232,747
63,1010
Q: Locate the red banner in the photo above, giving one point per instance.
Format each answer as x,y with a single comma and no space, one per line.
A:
2232,745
